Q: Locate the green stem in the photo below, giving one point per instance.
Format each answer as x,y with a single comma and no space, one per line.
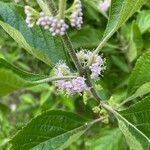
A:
53,79
72,53
52,7
44,7
78,65
68,45
62,8
100,46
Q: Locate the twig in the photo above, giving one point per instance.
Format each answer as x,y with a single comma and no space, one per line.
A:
62,8
67,42
82,71
53,79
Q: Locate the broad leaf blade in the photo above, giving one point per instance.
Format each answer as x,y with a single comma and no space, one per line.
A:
140,92
143,20
12,78
50,131
100,142
140,74
134,122
120,12
135,43
36,41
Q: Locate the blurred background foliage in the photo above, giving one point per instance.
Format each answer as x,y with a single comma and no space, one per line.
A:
121,53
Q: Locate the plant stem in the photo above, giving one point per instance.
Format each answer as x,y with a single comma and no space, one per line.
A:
68,44
82,71
44,7
100,46
62,8
53,79
97,120
51,6
72,53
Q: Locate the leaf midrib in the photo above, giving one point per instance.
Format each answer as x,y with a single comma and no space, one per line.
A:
142,134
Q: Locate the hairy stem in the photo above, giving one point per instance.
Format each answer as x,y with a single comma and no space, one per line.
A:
44,7
51,6
53,79
72,53
82,71
68,44
100,46
62,8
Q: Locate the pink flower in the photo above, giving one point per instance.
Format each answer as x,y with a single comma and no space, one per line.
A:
97,65
70,86
55,26
77,15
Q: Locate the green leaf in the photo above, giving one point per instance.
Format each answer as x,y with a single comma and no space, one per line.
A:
120,63
36,41
135,43
4,109
86,38
143,20
141,91
134,122
100,141
12,78
50,131
120,12
141,73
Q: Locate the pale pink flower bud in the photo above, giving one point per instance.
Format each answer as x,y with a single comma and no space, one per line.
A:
104,5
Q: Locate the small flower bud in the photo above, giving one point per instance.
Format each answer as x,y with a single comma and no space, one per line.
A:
31,16
77,15
55,26
96,110
97,65
72,86
104,5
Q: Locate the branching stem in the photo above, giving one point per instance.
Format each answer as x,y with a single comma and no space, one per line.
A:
44,7
46,80
62,8
68,44
83,71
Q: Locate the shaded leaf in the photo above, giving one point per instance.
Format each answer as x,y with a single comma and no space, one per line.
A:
141,91
100,142
86,37
12,78
143,20
135,43
50,131
120,63
134,122
120,12
141,73
36,41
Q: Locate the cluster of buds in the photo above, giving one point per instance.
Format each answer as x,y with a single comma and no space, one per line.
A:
31,16
97,65
77,15
104,5
71,86
54,25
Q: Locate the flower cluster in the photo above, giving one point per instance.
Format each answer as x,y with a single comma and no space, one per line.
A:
97,65
54,25
71,86
77,15
104,5
30,16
